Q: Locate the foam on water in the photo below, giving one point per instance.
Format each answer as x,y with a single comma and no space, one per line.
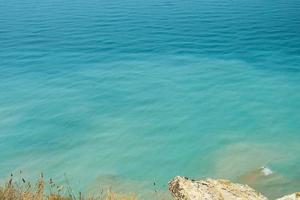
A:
266,171
143,91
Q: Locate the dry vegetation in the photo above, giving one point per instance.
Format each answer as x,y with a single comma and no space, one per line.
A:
20,189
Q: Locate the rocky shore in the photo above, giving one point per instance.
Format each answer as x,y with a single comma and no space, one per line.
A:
183,188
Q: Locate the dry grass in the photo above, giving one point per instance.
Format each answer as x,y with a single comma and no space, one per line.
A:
20,189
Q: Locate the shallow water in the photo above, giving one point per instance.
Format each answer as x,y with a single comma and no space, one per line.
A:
144,91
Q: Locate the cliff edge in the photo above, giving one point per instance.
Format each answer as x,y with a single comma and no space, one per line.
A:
183,188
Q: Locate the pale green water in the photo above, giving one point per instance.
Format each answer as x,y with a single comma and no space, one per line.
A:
130,92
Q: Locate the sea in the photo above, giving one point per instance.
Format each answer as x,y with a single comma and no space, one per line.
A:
130,93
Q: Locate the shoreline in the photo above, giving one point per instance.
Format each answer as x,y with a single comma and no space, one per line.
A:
180,188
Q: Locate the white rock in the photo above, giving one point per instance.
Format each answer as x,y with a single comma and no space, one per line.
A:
295,196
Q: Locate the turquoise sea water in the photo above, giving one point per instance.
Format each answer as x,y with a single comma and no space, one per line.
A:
129,92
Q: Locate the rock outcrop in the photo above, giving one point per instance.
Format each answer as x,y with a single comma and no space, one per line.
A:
295,196
183,188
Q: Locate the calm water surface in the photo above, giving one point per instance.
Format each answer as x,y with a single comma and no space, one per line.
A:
131,92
